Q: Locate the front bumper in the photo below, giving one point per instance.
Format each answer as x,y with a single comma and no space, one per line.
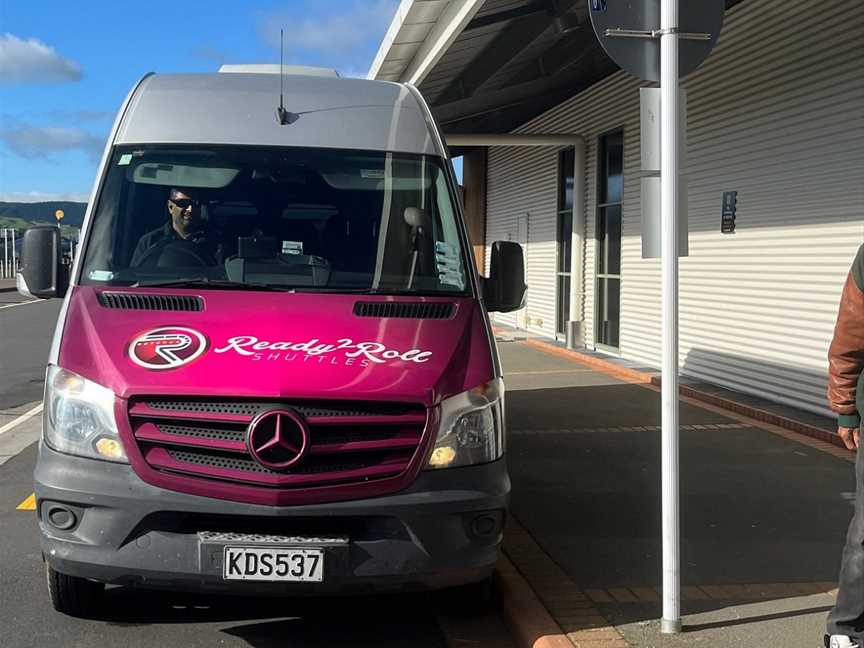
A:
439,532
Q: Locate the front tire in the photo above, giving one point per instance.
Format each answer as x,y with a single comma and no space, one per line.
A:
77,597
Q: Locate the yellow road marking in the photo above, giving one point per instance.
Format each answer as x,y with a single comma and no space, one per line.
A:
28,504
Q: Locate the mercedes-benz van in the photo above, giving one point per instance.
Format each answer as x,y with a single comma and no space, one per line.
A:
273,371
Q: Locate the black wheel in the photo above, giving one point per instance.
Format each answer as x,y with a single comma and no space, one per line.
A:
71,595
472,599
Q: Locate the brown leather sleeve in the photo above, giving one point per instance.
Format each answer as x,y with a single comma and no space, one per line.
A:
846,354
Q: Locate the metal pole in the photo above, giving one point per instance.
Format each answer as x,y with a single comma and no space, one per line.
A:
669,168
14,257
5,254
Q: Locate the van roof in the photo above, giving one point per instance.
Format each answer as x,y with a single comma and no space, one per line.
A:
275,68
240,108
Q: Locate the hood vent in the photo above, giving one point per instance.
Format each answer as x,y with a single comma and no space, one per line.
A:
405,310
136,301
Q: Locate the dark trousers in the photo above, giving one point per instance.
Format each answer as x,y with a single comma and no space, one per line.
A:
847,617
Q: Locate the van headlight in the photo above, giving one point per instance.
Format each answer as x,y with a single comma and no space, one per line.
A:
471,430
79,417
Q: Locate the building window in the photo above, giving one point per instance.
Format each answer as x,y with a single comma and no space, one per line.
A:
565,239
608,276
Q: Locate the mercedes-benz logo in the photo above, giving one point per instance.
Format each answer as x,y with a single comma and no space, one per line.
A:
277,438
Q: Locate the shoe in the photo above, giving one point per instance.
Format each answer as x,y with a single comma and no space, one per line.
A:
840,641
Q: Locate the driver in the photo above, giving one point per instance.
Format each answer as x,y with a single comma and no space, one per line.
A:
185,224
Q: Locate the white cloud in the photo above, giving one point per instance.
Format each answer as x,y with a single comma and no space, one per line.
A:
42,196
341,37
41,142
32,61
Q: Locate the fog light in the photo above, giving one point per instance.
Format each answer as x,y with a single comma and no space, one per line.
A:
110,448
484,525
61,517
442,456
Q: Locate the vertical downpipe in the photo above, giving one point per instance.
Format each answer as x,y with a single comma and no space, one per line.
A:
577,254
669,169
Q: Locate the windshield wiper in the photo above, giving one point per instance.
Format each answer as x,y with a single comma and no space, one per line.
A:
396,292
204,282
413,292
227,284
327,289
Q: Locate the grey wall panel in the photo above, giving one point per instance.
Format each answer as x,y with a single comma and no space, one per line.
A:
777,114
533,194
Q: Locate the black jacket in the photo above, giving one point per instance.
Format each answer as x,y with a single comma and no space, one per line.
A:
159,238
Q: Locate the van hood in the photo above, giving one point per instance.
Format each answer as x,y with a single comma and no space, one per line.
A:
275,345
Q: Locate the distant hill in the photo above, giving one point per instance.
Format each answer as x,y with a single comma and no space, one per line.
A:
23,215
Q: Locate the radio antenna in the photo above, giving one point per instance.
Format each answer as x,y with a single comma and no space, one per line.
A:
281,66
282,115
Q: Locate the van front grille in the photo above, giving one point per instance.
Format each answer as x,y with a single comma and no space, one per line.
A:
349,442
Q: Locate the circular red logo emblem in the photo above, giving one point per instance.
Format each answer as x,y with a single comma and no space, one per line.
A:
168,347
277,438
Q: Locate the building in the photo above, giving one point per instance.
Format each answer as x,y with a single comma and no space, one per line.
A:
775,114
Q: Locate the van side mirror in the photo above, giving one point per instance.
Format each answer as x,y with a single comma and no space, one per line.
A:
504,290
42,272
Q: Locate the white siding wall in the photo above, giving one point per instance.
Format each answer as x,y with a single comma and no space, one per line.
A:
777,114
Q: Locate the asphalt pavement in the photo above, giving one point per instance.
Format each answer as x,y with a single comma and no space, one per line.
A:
763,516
26,327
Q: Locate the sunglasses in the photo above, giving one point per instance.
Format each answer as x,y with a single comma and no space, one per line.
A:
185,203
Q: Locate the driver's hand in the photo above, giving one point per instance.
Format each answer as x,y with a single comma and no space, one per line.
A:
850,436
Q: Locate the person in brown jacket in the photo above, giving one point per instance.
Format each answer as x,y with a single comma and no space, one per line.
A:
846,397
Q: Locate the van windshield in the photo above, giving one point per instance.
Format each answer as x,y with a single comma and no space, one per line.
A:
261,218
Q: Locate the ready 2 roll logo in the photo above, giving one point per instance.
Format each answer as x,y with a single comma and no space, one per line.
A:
171,347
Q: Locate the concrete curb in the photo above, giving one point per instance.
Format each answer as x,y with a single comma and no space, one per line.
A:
760,415
641,377
524,613
7,289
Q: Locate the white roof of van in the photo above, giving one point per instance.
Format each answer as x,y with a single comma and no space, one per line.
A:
275,68
240,109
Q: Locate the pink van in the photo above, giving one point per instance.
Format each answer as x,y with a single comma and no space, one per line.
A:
273,371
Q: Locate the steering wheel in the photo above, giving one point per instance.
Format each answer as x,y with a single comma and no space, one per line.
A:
178,254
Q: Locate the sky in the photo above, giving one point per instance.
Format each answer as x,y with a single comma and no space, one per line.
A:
65,68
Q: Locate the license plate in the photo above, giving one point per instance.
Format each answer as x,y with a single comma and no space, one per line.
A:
273,564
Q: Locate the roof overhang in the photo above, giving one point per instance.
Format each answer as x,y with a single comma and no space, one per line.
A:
419,35
488,66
